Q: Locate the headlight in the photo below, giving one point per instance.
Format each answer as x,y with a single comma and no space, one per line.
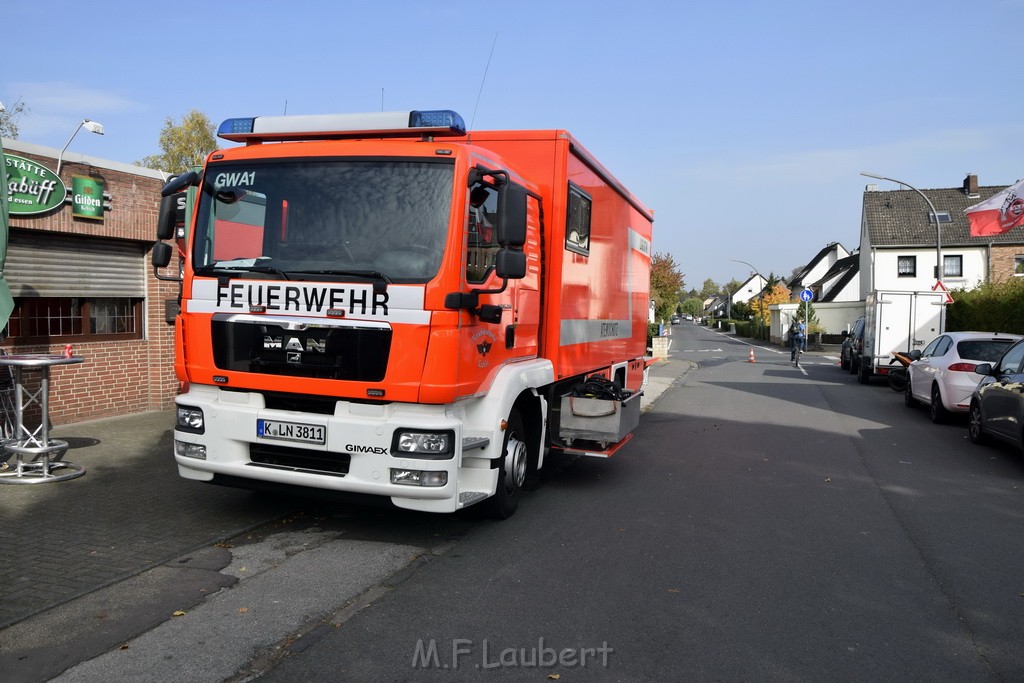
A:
419,478
190,420
190,450
423,444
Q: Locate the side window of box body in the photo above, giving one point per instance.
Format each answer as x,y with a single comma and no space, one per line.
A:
577,221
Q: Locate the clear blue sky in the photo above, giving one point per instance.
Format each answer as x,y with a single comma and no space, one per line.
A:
744,125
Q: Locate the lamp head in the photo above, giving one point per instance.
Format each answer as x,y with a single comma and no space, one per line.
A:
93,126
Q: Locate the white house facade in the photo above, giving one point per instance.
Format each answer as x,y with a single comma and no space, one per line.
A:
900,244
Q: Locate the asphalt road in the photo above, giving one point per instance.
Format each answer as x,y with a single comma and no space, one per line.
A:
766,522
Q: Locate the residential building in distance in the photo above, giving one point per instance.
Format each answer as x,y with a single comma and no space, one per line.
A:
899,240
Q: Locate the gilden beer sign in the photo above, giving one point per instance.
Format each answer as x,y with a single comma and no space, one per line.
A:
32,188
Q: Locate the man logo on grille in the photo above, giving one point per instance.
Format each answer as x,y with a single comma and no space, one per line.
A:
294,344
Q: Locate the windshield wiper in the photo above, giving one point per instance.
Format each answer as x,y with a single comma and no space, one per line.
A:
228,270
376,274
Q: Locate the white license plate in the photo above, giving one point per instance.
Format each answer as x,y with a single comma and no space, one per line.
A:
291,431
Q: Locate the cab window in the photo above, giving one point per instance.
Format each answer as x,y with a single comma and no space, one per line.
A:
481,245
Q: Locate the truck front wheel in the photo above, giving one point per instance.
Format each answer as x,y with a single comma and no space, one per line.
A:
511,469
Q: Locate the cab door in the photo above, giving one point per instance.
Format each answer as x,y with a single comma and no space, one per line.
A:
504,327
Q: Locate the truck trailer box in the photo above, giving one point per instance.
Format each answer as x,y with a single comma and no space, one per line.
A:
898,321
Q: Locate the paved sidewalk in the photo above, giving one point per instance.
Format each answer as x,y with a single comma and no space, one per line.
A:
129,512
86,563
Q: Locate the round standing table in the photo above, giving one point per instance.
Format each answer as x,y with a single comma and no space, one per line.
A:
36,455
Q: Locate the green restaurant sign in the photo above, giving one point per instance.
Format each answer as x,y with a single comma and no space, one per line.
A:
31,187
86,197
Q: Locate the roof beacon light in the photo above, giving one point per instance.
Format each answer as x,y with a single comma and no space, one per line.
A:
333,126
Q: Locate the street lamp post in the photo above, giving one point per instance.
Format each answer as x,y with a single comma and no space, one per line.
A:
91,126
760,296
935,217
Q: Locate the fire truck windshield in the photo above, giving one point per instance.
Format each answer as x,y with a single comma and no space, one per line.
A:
378,219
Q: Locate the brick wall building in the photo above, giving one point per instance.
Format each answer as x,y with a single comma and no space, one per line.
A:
1007,261
87,282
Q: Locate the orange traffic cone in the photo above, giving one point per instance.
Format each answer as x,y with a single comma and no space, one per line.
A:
751,358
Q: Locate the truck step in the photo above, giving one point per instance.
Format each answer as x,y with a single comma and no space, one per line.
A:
470,443
467,498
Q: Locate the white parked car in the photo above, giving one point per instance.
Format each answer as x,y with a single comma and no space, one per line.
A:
942,376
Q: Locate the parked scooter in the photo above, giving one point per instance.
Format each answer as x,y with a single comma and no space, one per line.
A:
898,377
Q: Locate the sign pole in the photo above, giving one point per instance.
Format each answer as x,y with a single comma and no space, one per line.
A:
806,295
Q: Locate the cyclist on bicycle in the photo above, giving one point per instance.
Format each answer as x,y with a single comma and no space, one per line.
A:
796,339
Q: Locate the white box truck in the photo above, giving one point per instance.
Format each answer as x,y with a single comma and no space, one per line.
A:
898,321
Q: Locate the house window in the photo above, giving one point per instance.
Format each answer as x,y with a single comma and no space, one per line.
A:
953,266
67,319
1018,264
577,221
906,266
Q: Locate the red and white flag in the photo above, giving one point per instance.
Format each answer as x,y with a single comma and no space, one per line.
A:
999,213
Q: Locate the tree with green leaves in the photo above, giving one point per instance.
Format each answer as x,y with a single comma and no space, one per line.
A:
185,145
693,305
730,287
710,289
667,286
8,119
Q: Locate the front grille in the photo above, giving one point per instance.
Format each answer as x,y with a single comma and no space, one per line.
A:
299,460
348,353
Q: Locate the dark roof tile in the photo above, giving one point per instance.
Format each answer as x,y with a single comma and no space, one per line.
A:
901,218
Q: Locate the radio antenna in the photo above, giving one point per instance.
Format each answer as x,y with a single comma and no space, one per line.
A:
472,119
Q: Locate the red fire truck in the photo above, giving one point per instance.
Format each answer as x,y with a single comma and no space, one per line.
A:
388,304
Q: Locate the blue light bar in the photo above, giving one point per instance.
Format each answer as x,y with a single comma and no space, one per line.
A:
438,118
235,127
335,126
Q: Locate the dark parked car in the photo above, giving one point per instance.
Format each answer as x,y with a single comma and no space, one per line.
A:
997,405
849,354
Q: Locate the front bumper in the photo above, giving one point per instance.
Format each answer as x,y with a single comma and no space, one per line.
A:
356,456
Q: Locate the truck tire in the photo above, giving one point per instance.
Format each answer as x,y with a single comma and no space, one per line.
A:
511,470
864,371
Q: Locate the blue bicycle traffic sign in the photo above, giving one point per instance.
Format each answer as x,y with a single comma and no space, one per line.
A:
806,295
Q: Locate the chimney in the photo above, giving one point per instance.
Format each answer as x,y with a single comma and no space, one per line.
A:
971,186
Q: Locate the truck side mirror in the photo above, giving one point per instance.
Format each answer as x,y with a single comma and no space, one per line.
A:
161,255
172,211
509,264
178,183
511,229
